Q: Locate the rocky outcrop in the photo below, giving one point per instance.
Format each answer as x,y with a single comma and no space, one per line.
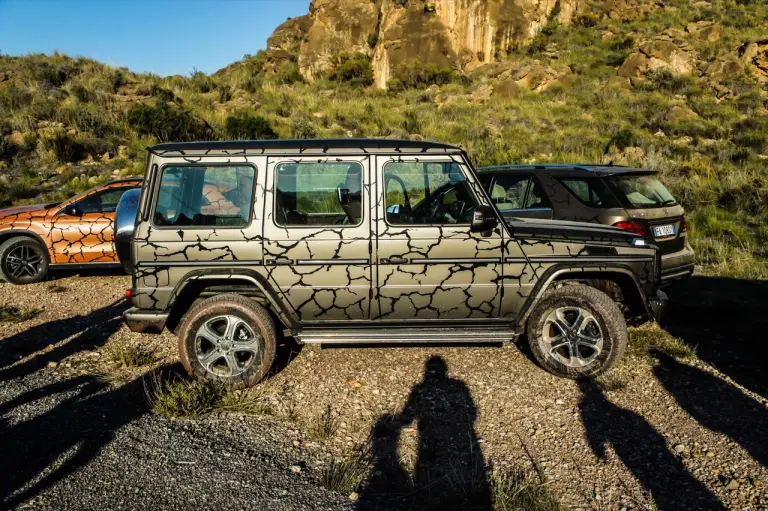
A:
663,52
754,55
460,34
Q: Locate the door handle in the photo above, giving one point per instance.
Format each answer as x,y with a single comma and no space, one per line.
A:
278,262
393,260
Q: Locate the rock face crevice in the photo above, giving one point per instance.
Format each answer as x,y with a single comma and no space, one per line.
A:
461,34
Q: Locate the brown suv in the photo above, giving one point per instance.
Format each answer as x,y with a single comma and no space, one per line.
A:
631,199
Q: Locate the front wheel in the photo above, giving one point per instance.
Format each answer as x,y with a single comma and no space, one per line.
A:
576,331
23,260
229,339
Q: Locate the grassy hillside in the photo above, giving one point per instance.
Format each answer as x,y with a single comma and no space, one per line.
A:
68,124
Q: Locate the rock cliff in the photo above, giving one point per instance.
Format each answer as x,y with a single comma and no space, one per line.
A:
462,34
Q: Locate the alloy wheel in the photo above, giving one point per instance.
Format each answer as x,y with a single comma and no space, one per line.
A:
226,345
572,336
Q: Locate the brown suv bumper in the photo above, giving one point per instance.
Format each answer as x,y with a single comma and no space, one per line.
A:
144,321
678,265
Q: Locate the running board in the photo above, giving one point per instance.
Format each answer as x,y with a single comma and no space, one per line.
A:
405,335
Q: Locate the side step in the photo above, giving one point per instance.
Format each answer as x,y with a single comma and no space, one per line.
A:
405,335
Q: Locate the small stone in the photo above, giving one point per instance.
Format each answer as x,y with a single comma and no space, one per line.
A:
679,448
296,443
710,454
353,496
52,365
732,485
559,401
295,469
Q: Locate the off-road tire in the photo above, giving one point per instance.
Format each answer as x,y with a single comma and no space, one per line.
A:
253,314
605,311
15,243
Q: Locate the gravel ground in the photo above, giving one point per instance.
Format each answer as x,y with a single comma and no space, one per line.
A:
658,431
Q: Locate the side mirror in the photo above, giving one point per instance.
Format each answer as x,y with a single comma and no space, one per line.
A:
73,210
125,223
483,219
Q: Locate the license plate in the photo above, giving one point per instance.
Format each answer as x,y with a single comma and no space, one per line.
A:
661,231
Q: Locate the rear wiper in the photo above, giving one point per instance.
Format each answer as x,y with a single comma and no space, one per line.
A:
669,201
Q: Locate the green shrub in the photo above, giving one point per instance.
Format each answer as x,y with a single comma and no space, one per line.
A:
202,82
416,74
288,73
248,127
65,148
303,128
354,70
162,94
118,80
168,123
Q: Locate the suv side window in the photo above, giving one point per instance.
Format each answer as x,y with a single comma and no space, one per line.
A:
102,202
318,194
592,192
219,196
536,198
427,193
508,191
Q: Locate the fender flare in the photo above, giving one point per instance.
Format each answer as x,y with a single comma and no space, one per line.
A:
555,271
277,305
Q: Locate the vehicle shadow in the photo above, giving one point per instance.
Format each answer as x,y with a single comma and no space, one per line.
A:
725,320
716,404
450,471
42,450
89,331
642,450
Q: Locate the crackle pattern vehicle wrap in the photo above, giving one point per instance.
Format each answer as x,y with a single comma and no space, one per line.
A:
370,271
68,239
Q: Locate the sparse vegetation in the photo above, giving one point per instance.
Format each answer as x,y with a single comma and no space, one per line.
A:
516,490
322,426
645,340
346,474
130,355
12,314
248,127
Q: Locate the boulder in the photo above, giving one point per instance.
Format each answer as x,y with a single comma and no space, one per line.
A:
706,30
658,53
680,113
754,55
628,10
723,69
506,89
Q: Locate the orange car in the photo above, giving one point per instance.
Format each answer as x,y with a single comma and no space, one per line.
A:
75,234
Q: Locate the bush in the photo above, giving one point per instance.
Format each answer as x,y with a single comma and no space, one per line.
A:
168,123
162,94
202,82
288,73
248,127
65,148
416,74
354,70
302,128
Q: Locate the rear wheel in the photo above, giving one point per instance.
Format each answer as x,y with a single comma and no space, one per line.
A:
228,338
23,260
577,331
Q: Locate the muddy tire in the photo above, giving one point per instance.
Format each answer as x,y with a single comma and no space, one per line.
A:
228,339
23,260
577,332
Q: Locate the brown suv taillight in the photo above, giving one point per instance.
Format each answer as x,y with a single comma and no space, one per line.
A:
634,227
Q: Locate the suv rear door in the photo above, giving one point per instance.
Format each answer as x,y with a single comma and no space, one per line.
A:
317,235
429,265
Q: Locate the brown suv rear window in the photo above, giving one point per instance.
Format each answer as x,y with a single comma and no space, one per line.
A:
591,192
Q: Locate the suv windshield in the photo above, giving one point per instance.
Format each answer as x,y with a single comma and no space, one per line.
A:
644,191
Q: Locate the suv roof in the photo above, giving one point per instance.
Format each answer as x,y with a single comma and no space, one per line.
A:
574,170
314,146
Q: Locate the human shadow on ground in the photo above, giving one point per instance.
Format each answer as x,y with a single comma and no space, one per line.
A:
38,452
717,405
643,451
726,320
450,471
90,330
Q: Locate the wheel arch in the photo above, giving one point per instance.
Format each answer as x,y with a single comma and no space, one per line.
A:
621,275
7,234
200,284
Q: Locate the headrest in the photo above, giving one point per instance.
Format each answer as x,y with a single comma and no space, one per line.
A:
498,192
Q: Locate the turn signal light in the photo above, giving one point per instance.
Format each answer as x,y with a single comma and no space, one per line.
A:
634,227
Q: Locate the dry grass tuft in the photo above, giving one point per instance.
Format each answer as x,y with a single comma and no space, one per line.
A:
515,490
345,475
322,426
131,355
647,339
12,314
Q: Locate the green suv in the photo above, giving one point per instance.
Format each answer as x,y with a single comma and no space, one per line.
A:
365,241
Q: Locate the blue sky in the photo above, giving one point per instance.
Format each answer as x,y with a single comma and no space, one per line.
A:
165,37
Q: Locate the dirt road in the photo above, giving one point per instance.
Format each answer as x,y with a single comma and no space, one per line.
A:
661,430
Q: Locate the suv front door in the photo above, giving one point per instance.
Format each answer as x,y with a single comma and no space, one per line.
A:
317,236
429,265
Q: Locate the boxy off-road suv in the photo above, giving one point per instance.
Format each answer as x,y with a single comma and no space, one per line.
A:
365,241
